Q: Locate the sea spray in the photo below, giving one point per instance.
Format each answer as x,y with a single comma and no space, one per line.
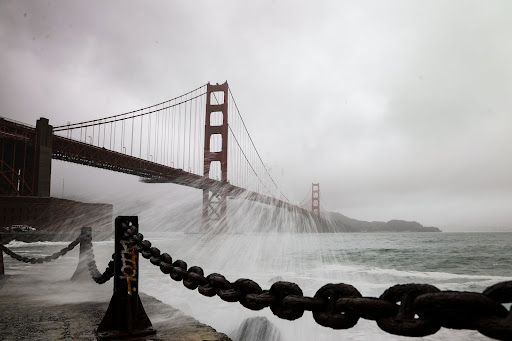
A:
369,262
256,329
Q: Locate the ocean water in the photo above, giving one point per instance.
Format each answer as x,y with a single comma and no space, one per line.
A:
371,262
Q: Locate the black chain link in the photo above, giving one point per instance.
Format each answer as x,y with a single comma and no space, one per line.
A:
98,277
408,310
56,255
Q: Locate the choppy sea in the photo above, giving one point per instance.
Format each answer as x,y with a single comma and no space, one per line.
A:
371,262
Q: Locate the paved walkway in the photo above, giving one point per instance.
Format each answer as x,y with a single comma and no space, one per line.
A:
35,309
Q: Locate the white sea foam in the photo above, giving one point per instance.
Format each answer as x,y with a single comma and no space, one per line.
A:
14,243
430,275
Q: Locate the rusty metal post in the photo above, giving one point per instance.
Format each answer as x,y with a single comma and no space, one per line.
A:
125,316
82,271
2,272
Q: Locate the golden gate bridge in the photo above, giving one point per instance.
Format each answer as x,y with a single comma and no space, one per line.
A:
198,139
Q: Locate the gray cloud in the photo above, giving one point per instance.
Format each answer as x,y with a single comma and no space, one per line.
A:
399,109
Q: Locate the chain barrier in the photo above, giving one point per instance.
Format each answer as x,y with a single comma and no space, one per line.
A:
98,277
415,310
56,255
85,239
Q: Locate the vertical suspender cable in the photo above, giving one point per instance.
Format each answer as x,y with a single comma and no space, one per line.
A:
189,133
179,138
194,139
140,137
123,133
114,144
168,127
164,131
172,134
184,133
133,125
169,137
155,140
202,109
149,139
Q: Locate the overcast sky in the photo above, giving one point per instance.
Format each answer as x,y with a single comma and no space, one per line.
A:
399,109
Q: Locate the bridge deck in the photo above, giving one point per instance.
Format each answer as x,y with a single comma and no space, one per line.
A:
70,150
85,154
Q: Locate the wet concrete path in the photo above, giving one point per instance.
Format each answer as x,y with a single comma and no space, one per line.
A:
32,308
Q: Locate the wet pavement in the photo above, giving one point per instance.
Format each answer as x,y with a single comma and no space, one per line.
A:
32,308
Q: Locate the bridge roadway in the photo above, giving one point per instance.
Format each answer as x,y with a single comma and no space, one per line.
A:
85,154
70,150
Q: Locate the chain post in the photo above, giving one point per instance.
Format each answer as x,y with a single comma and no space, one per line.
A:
2,271
81,272
125,316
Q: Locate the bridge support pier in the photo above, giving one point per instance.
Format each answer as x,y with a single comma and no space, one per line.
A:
214,209
25,158
125,316
43,157
2,269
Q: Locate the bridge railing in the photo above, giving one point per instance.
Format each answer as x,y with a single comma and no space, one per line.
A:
414,310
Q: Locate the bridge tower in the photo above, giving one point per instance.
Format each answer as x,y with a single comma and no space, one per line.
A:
315,199
25,159
215,199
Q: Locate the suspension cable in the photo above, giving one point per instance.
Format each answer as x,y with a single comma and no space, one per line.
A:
72,126
252,142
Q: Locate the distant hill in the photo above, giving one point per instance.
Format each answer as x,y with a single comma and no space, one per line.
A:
341,223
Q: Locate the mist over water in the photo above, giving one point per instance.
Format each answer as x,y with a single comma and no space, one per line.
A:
251,248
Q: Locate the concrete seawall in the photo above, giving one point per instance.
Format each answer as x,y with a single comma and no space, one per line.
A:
36,308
